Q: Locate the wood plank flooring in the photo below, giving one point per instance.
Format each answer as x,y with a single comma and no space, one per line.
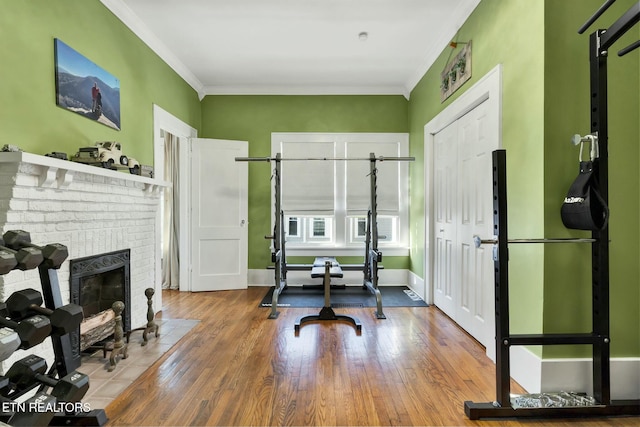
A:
238,368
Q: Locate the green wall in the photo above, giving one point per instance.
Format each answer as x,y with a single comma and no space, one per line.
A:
508,33
545,101
253,118
29,116
567,281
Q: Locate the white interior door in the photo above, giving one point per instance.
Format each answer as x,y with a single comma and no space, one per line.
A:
445,190
474,311
218,215
463,274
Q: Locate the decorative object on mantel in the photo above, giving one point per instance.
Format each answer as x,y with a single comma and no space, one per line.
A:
58,155
151,325
457,72
85,88
146,171
10,148
107,154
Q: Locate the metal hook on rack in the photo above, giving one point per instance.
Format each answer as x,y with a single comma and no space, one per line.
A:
592,139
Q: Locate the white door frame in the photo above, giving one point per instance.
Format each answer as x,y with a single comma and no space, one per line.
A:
487,89
163,120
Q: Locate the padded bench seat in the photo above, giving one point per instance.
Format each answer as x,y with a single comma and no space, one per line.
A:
318,268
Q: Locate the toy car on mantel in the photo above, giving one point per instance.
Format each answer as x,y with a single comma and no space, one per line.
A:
107,154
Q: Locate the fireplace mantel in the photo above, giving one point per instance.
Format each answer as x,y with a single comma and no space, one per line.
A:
89,209
58,173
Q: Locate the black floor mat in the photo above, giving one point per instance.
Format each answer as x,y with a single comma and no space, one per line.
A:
350,296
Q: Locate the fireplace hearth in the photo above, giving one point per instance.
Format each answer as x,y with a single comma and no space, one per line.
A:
96,282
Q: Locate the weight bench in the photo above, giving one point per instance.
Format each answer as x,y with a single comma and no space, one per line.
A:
327,267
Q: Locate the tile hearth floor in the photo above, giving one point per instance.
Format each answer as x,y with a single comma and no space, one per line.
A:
106,386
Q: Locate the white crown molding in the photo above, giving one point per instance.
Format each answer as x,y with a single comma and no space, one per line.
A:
461,14
306,90
131,20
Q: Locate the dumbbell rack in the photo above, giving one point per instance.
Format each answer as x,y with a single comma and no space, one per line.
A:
65,361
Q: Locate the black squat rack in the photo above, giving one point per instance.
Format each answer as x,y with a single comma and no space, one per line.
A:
372,255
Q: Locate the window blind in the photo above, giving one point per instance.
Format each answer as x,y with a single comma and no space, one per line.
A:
309,185
359,181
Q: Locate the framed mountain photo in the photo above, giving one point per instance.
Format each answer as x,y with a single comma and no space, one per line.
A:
85,88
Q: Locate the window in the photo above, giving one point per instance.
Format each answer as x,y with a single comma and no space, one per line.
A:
319,228
387,232
325,202
292,231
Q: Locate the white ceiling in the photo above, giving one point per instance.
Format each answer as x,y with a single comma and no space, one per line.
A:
296,46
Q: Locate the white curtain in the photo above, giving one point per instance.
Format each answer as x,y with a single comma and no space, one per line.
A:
170,255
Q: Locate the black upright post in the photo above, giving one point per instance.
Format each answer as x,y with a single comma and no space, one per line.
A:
373,195
600,248
278,218
501,265
278,256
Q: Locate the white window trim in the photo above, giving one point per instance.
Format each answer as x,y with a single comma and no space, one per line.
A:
341,245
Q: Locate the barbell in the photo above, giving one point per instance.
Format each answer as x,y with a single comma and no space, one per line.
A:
299,159
477,240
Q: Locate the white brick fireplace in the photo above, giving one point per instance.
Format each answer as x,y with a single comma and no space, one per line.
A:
90,210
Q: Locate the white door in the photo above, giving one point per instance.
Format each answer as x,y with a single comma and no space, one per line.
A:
445,174
218,215
474,311
463,274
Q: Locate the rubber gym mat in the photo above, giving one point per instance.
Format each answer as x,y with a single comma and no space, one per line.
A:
350,296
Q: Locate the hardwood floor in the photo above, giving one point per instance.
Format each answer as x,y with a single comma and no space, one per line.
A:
237,368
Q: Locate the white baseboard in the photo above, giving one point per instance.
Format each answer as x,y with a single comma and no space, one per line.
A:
390,277
526,368
548,375
262,277
416,284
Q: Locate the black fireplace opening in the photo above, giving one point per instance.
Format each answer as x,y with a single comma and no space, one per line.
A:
96,282
98,292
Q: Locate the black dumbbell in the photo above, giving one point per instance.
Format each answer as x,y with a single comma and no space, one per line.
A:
54,254
25,302
32,330
7,261
26,372
9,342
27,258
39,410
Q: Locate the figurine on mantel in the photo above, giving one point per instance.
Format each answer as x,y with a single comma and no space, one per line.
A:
58,155
107,154
10,148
